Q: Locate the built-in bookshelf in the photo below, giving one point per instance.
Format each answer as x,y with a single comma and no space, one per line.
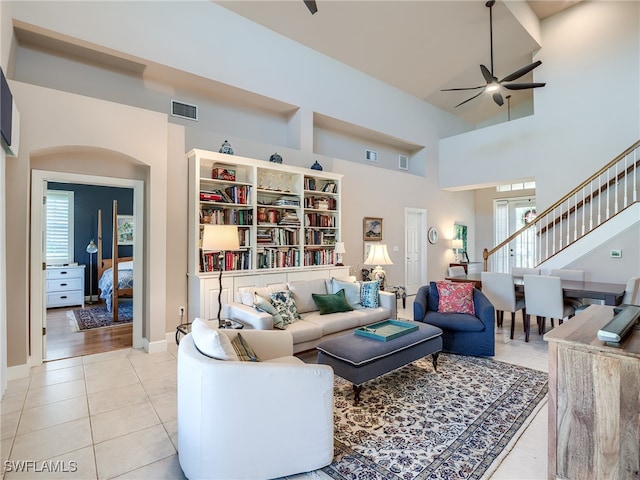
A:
287,216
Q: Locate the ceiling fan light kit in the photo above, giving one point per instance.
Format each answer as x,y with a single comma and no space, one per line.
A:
493,85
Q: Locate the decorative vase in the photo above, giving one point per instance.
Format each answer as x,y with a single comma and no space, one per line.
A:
275,158
316,166
226,148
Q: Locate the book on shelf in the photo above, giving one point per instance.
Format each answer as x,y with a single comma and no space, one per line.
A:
210,196
330,187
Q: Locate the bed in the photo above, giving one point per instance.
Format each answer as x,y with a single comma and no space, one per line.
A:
122,269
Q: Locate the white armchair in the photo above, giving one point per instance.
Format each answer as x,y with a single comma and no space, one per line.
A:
253,420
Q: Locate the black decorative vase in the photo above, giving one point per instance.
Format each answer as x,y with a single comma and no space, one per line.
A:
316,166
275,158
226,148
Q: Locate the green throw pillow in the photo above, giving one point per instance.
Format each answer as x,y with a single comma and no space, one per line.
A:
262,304
244,350
332,303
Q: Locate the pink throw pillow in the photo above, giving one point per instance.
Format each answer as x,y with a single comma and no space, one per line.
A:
455,297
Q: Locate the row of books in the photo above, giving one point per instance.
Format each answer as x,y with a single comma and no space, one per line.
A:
239,194
319,220
314,202
319,257
240,260
319,237
278,236
226,216
287,202
312,184
278,258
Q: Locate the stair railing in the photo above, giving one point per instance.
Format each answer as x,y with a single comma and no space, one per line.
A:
599,198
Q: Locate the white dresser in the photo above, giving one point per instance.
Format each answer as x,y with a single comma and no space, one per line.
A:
65,286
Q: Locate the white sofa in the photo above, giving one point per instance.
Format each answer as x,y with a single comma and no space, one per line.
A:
253,420
313,327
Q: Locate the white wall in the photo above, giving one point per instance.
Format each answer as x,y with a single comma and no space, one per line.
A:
586,115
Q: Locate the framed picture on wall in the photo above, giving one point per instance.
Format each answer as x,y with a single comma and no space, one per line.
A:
125,229
372,229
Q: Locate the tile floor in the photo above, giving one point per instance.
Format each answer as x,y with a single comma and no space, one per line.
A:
113,415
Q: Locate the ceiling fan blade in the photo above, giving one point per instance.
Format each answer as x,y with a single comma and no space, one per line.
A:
469,99
523,71
498,98
523,86
457,89
486,74
311,5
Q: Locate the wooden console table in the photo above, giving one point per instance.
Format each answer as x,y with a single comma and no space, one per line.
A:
594,406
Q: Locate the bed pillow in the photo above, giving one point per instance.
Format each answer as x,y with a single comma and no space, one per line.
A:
243,349
369,294
125,265
455,297
211,342
351,291
285,305
332,302
264,305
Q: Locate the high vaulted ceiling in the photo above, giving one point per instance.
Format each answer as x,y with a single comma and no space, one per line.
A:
418,46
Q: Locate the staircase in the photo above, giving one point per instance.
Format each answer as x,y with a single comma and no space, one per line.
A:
608,197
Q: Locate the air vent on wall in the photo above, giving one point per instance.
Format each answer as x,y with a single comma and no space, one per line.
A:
371,155
403,162
184,110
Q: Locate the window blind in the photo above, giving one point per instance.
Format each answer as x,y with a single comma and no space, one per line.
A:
59,227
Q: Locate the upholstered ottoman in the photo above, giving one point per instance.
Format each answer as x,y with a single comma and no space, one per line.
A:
359,359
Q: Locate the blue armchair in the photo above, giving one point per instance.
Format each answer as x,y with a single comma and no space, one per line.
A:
461,332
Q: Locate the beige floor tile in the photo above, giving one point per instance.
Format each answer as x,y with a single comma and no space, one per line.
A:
148,359
9,425
172,430
77,465
57,365
122,421
165,469
51,377
52,414
5,449
107,368
157,370
55,393
130,452
166,406
519,465
12,402
161,386
116,398
53,441
101,383
106,356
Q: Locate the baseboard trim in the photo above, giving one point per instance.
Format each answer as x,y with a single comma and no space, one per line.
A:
155,347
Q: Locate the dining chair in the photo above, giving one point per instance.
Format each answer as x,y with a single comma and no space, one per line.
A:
522,271
456,271
544,299
632,292
574,275
499,289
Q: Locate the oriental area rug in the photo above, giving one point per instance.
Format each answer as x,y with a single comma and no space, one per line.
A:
98,317
415,424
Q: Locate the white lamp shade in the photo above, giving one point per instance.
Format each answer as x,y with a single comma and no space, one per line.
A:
378,255
456,243
220,237
339,248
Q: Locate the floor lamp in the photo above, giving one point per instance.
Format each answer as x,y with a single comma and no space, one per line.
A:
220,238
91,250
378,255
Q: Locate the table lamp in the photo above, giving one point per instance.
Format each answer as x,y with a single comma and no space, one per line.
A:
378,255
220,238
91,250
339,249
456,244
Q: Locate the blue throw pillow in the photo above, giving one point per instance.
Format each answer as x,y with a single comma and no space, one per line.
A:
369,294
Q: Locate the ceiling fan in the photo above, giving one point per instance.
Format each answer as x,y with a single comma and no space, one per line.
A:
494,85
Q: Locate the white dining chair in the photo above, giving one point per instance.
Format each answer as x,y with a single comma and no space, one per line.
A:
576,276
522,271
632,292
456,271
544,299
500,290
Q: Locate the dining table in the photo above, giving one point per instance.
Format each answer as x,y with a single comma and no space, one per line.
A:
610,293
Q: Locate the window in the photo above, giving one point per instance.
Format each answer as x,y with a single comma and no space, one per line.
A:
59,227
510,187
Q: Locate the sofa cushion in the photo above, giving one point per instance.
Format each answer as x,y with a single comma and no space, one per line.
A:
285,305
334,322
369,294
246,293
264,305
303,291
455,297
351,291
332,302
457,322
303,331
211,342
243,349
